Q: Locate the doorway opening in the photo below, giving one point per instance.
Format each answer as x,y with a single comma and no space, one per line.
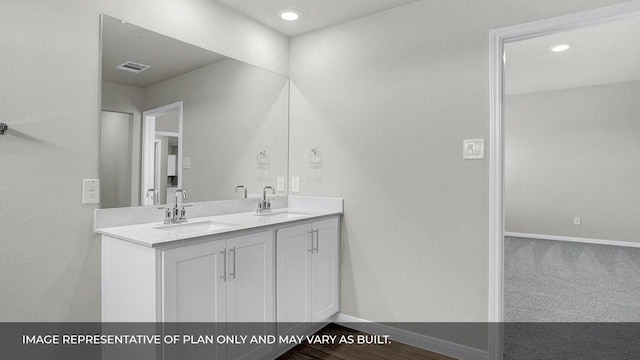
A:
161,153
500,38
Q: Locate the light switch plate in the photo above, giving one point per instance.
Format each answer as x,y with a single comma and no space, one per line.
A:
280,183
90,191
473,149
186,162
295,184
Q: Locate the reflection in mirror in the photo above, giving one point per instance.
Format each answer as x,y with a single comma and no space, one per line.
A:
115,158
161,149
231,112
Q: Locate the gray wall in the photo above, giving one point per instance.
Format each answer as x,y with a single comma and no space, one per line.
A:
115,159
388,99
127,99
232,111
169,122
574,153
49,96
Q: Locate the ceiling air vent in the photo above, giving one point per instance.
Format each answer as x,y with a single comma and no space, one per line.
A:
133,67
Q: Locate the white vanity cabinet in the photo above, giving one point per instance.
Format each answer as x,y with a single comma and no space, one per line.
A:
227,280
219,280
277,277
307,259
224,281
193,288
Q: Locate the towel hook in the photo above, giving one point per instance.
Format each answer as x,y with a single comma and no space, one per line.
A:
262,158
3,128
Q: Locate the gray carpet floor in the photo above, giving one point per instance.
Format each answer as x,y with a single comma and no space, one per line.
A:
559,281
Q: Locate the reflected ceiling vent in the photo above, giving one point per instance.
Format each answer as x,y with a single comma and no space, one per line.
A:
133,67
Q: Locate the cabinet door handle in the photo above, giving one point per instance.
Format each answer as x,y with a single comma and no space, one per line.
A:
234,263
224,266
311,247
317,231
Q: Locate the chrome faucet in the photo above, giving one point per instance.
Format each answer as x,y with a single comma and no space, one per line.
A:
175,214
244,188
179,213
265,205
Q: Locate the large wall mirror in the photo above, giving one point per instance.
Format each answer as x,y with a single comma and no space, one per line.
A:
174,115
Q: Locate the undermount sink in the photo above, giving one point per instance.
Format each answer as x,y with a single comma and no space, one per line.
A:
281,215
194,227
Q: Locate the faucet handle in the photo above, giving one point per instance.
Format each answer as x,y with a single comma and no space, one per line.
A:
168,214
181,213
154,195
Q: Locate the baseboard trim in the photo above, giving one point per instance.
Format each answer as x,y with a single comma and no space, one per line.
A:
425,342
573,239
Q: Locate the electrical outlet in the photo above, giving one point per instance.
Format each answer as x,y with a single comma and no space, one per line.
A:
577,221
90,191
295,184
280,183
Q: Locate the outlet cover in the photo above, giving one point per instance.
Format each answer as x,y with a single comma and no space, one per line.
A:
295,184
473,149
90,191
280,183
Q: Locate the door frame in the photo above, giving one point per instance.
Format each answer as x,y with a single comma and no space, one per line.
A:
500,37
148,144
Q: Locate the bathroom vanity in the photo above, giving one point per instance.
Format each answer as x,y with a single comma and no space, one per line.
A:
279,268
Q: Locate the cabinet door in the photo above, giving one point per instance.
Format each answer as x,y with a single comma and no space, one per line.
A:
293,262
250,291
193,288
325,277
251,278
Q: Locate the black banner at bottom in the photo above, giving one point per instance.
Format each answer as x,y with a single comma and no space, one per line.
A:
191,341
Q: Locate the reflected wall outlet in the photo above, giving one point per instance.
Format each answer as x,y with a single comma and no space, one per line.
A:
577,221
280,183
186,162
295,184
90,191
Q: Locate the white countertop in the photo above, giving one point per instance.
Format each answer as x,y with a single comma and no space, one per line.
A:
157,233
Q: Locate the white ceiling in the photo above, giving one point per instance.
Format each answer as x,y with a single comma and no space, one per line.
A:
315,14
168,57
601,54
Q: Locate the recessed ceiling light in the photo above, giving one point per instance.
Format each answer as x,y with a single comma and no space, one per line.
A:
560,47
289,14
